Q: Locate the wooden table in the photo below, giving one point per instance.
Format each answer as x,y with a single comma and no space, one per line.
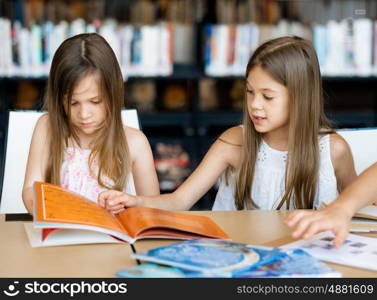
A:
18,259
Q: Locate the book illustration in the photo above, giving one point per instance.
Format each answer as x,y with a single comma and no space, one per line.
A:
295,263
216,257
357,251
58,208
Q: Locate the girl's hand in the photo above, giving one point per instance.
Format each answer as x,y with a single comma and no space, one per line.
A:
115,201
306,223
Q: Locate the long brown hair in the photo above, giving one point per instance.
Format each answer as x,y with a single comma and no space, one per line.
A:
75,58
291,61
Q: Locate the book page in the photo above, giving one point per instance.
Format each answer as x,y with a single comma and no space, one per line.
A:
57,205
145,221
369,212
357,251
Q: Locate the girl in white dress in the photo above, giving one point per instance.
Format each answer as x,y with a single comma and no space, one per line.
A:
81,143
285,154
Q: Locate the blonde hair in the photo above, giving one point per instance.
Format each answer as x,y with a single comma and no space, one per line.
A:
76,58
291,61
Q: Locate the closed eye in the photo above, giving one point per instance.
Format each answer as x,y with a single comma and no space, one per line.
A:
267,98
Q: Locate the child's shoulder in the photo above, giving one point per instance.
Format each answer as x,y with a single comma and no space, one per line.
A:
339,147
135,137
42,124
232,136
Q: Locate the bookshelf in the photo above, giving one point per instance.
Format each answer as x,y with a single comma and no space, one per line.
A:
198,95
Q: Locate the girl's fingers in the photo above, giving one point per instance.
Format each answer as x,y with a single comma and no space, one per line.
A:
340,236
116,207
295,216
301,227
118,211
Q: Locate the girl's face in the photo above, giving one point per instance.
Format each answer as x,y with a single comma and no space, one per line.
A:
88,110
267,102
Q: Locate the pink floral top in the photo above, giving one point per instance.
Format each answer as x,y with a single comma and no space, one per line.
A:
75,174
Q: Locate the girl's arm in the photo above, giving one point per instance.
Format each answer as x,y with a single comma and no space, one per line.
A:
143,169
37,161
218,158
337,216
341,157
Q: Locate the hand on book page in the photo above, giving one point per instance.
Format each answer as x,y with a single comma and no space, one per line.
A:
357,251
58,208
306,223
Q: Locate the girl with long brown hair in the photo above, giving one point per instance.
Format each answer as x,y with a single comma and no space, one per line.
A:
285,154
81,143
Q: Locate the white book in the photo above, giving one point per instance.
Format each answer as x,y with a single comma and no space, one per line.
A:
240,47
109,32
165,45
24,52
6,47
76,27
281,29
320,43
66,237
363,46
36,51
48,29
150,50
334,64
125,37
357,251
219,51
60,33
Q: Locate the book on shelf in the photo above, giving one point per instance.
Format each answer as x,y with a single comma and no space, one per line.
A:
58,209
220,258
356,251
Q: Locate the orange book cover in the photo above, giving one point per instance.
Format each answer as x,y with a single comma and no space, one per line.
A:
58,208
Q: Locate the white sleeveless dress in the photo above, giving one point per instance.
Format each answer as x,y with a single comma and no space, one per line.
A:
75,175
269,179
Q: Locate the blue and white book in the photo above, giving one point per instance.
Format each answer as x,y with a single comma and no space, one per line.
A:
295,263
219,258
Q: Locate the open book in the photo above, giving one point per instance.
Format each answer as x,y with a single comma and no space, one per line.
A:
365,220
368,212
357,251
57,208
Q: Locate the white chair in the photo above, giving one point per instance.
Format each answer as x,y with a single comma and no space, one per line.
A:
363,144
20,129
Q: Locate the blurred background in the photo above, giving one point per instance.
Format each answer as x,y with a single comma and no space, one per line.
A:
183,62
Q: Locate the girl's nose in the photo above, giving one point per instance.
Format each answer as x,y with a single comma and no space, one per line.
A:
84,112
256,103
